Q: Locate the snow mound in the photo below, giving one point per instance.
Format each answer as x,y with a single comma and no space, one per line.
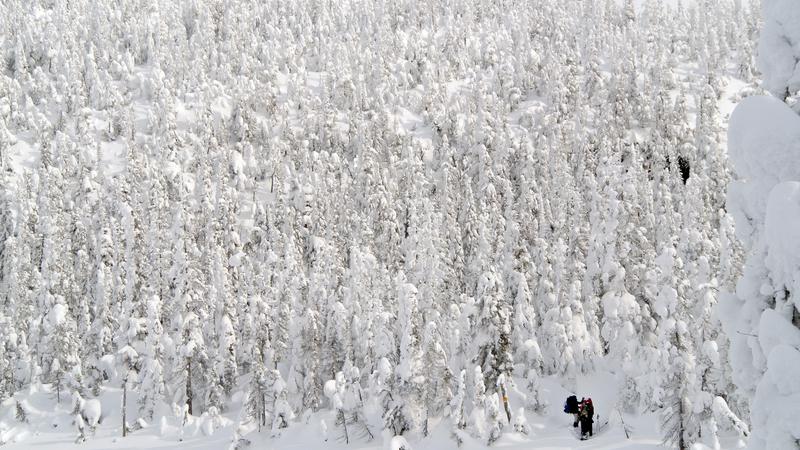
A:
399,443
764,140
91,411
774,331
764,149
777,402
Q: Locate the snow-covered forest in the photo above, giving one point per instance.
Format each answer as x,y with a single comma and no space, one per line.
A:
387,221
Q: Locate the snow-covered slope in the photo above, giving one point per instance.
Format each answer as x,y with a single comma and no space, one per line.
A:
49,426
270,214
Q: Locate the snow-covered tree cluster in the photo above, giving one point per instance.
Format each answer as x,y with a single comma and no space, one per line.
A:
762,314
395,207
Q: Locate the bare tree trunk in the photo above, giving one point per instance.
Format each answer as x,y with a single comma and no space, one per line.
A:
124,406
189,383
344,426
260,411
263,409
681,441
624,426
505,401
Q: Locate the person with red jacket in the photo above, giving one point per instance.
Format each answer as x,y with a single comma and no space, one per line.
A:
585,416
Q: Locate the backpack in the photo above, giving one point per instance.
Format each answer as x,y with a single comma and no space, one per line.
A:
571,405
589,407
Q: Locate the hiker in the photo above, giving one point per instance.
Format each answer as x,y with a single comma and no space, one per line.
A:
586,414
571,407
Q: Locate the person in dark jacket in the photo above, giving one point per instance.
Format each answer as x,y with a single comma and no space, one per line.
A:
585,416
572,407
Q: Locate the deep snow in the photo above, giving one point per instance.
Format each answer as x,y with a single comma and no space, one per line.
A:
51,426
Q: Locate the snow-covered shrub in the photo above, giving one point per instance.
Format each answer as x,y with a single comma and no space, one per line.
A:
520,422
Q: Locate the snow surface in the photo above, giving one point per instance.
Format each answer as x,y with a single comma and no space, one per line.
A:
51,426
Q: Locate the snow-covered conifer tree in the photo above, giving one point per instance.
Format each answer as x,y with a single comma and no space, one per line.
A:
761,317
253,198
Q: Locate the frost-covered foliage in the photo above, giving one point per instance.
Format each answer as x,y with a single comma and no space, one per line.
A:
779,49
260,198
762,316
